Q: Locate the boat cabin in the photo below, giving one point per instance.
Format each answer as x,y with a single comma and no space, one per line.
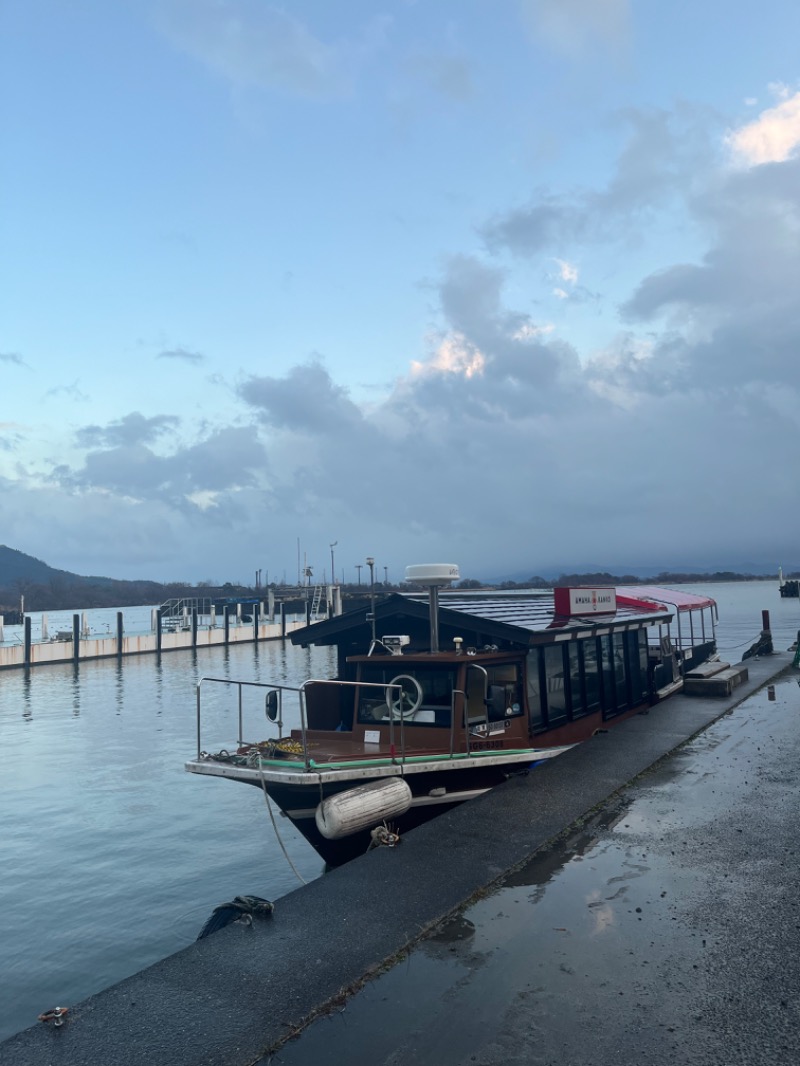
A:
507,668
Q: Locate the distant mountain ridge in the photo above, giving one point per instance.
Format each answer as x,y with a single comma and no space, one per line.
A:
17,566
45,588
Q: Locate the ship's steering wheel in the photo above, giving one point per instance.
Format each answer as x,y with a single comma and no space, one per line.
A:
406,702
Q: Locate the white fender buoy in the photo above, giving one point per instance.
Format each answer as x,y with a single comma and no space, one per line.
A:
362,807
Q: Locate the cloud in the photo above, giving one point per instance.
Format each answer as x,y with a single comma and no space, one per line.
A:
529,230
664,154
252,43
72,392
771,138
12,357
567,271
500,435
575,27
227,460
748,269
181,354
502,441
306,399
134,428
10,437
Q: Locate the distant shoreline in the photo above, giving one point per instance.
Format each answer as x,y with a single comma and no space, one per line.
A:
41,598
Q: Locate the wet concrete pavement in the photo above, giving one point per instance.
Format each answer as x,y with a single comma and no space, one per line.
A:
665,929
662,927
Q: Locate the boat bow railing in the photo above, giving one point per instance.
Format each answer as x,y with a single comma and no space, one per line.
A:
300,692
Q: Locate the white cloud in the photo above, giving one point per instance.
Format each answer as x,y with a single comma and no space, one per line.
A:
771,138
566,271
454,355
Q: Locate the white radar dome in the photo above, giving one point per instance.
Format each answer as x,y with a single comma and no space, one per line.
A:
432,573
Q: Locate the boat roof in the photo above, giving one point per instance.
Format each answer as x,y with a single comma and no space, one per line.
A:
519,619
635,595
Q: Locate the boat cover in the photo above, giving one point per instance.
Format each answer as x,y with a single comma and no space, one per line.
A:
655,597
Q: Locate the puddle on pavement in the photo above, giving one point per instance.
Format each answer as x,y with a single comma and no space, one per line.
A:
596,921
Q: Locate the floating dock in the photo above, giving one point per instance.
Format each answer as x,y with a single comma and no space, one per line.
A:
75,645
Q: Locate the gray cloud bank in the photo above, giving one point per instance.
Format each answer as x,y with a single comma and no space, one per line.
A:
503,448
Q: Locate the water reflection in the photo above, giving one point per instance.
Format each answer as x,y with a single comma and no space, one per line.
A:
539,871
76,690
27,702
452,931
119,685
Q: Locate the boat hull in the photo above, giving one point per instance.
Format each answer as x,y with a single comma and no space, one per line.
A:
434,789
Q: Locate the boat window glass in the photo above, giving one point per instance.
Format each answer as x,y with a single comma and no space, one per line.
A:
606,660
437,685
620,673
644,663
535,703
591,673
556,695
506,675
638,680
575,681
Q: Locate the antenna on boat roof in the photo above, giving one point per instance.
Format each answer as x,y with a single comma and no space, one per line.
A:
433,576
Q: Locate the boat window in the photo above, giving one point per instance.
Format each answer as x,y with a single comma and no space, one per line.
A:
535,703
620,672
506,677
644,664
556,693
607,672
591,673
636,668
437,684
577,704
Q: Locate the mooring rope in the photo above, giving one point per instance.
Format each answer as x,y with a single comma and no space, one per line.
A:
263,780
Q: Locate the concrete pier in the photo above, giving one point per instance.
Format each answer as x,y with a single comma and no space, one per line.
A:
231,998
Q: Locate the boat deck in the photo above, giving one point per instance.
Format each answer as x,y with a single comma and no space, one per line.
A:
324,746
326,749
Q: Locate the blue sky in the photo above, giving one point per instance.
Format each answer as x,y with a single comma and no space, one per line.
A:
508,284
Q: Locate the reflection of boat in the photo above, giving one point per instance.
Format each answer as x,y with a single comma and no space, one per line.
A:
470,688
788,587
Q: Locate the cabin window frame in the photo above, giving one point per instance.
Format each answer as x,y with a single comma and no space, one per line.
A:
392,667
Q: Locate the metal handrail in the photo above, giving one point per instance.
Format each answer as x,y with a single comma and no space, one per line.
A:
301,694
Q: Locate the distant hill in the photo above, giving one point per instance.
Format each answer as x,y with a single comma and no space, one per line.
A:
48,589
17,566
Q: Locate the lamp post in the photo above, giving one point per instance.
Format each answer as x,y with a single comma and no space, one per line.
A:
386,576
333,571
358,567
371,565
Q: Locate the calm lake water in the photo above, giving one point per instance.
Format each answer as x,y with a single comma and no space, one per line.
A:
111,856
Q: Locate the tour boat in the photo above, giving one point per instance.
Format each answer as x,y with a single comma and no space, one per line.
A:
440,697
